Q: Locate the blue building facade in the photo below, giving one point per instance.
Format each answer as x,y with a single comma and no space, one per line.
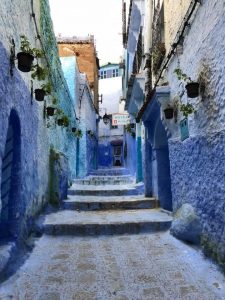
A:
111,144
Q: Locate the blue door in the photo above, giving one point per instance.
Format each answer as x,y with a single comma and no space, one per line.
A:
10,181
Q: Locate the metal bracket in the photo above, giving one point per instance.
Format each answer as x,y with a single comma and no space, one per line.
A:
31,92
12,56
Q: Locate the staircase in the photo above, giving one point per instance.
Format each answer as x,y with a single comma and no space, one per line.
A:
107,202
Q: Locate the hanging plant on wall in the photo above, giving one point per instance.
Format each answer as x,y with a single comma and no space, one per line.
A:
50,111
27,54
62,118
158,55
192,87
130,129
169,112
90,133
39,73
45,89
78,133
187,109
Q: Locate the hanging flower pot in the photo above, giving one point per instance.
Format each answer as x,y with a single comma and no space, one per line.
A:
25,61
60,122
73,129
39,94
168,113
50,111
192,89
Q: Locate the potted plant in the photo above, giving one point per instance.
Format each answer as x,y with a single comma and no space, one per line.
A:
129,129
187,109
50,111
27,54
63,121
169,111
90,133
43,91
78,134
39,94
73,129
39,73
191,86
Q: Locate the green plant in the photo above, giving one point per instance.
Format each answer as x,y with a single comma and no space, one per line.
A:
78,133
26,47
128,128
158,54
91,133
47,87
181,75
187,109
39,73
59,112
65,120
54,100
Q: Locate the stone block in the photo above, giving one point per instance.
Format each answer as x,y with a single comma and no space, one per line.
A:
186,224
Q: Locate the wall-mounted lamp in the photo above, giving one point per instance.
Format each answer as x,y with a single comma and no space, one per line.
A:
106,119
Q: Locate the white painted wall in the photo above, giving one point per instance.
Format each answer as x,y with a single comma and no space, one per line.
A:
111,89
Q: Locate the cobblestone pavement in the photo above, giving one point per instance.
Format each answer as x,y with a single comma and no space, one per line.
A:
134,267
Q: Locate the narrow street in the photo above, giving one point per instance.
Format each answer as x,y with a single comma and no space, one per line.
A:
107,245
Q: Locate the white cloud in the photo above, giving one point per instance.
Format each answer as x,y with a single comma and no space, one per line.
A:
101,18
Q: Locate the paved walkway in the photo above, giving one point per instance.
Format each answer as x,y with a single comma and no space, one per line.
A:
134,267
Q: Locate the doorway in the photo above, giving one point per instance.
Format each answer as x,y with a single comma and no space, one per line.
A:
117,156
10,180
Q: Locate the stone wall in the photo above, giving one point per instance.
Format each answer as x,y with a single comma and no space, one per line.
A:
174,12
37,132
197,164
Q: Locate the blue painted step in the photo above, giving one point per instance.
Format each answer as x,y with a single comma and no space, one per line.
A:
92,203
107,190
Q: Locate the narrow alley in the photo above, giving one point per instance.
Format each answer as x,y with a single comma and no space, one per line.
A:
112,161
112,247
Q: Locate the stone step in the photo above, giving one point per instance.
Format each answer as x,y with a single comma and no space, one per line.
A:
113,172
106,190
104,180
109,203
68,222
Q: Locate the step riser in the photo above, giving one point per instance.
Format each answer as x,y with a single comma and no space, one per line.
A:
106,229
110,205
103,182
105,193
110,173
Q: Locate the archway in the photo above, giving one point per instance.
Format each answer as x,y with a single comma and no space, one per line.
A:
10,180
162,166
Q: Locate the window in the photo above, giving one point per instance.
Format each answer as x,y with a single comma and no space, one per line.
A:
104,74
115,73
101,74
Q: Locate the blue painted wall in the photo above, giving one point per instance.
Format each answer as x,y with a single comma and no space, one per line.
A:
37,133
198,174
156,161
131,156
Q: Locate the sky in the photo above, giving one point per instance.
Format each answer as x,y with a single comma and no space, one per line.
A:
101,18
